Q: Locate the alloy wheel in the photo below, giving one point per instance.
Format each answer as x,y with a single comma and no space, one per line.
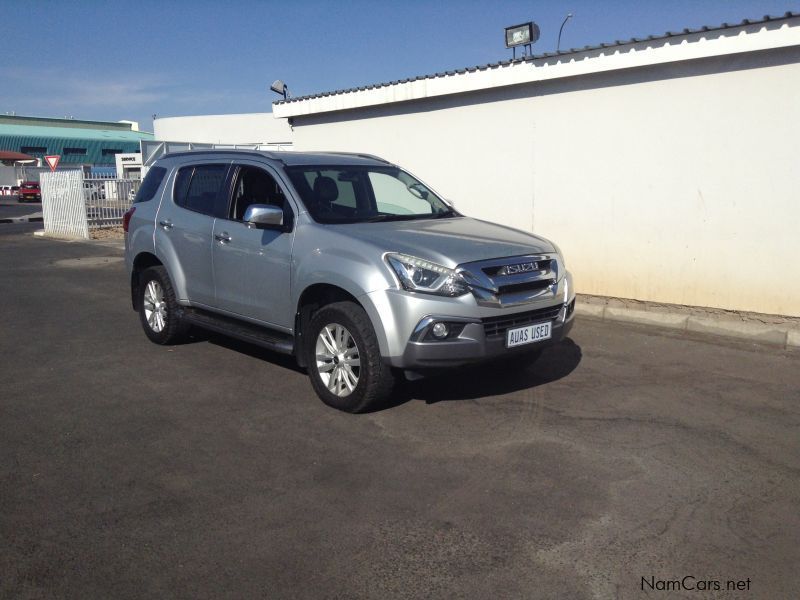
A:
338,359
155,308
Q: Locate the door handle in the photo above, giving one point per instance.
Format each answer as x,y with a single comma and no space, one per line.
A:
166,224
223,237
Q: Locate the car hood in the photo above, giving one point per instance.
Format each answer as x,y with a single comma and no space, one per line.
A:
450,241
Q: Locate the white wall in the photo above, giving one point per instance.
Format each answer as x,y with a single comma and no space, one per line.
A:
8,175
252,128
672,183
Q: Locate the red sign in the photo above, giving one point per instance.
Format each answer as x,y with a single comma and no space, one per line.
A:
53,161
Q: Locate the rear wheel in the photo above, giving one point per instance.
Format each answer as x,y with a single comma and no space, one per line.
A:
344,361
159,312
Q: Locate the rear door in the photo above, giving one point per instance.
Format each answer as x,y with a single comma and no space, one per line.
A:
252,266
185,225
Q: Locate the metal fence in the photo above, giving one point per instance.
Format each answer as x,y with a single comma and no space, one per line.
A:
73,205
107,199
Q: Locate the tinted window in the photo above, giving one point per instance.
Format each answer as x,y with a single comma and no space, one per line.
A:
197,188
152,181
257,186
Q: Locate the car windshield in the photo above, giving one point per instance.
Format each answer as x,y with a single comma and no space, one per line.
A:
30,186
358,194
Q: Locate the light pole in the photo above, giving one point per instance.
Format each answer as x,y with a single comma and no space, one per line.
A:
567,18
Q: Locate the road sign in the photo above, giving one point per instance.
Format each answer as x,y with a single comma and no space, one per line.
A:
53,161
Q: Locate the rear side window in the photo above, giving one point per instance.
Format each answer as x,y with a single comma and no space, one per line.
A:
197,188
152,181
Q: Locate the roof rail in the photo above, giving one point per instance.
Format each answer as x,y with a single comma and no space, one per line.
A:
259,153
359,154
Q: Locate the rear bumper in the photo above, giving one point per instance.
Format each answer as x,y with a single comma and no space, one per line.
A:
473,345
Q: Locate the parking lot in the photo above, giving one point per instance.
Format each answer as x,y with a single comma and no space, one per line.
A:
11,208
211,469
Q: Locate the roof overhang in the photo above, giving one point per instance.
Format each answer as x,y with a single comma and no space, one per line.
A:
16,157
707,43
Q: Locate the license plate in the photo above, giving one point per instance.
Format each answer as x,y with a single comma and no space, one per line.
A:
529,335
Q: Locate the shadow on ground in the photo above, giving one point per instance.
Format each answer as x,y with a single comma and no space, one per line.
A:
497,378
464,383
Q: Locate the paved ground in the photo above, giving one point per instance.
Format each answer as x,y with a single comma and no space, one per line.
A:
210,470
11,209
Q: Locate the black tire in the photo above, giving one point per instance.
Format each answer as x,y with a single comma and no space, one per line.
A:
375,380
173,330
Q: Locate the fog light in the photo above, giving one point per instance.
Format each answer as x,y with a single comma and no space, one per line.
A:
440,330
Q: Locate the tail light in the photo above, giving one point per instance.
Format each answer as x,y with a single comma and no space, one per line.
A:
126,218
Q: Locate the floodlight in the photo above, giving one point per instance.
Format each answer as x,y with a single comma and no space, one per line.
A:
280,88
522,35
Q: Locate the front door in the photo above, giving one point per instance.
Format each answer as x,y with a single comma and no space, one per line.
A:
252,266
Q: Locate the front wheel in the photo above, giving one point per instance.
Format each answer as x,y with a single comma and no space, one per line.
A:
344,360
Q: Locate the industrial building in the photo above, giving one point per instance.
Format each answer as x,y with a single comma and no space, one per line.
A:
255,130
90,145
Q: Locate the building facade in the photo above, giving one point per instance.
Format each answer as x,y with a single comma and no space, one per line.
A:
255,130
666,167
78,143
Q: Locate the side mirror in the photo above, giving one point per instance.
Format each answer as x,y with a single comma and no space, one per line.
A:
264,216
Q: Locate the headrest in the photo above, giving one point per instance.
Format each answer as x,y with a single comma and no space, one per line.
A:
325,190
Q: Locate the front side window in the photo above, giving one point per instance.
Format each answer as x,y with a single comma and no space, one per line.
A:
353,194
197,188
256,186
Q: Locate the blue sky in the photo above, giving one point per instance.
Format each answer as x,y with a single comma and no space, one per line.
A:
127,60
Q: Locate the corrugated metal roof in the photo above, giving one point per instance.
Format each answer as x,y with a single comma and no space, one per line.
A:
77,133
57,122
502,63
92,148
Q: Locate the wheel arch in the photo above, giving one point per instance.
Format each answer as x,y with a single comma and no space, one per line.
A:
143,260
314,297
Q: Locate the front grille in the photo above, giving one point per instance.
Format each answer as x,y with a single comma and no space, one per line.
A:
528,286
542,265
495,327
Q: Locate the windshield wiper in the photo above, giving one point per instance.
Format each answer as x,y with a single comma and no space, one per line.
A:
378,218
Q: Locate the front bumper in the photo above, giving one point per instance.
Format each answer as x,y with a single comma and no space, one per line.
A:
473,345
481,334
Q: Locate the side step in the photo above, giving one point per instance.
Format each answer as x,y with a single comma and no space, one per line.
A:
247,332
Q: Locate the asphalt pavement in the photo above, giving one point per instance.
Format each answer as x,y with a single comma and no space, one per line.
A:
626,457
10,208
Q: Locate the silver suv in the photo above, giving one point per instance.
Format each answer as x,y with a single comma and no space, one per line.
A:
347,262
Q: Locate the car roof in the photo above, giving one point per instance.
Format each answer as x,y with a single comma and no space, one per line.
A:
289,158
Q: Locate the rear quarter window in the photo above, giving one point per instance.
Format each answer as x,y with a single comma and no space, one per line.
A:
150,184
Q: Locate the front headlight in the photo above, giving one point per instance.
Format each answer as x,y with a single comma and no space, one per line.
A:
418,275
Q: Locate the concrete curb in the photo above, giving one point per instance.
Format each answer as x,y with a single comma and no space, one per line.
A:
23,220
775,334
117,244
